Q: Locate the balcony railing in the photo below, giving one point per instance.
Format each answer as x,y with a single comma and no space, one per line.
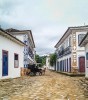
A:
30,52
67,50
64,52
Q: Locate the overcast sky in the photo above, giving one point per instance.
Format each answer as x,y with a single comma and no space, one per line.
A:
48,19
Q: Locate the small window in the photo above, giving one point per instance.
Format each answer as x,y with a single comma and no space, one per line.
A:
16,57
16,61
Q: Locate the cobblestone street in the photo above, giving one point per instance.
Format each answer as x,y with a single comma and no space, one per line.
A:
51,86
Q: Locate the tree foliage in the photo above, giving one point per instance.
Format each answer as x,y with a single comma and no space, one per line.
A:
52,59
37,58
41,60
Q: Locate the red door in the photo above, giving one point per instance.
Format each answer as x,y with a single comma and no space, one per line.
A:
82,64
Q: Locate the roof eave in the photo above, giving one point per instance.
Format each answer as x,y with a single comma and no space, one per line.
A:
70,28
61,37
32,38
12,37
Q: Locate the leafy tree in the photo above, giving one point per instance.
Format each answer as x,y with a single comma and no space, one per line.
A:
38,59
41,60
52,59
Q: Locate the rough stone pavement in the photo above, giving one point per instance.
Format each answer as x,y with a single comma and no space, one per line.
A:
51,86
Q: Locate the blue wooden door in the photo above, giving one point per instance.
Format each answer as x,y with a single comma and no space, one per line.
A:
69,64
5,63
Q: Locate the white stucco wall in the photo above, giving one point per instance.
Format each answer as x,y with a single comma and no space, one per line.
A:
11,47
48,62
51,67
63,58
20,37
24,37
77,46
80,50
80,54
66,44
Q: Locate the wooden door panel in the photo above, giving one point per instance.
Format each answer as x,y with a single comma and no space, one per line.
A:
5,63
82,64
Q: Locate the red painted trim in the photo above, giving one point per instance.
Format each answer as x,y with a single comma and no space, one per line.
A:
79,63
14,60
2,60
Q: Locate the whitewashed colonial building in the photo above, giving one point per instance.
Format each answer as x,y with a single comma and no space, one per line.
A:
26,37
11,55
47,61
84,43
70,56
48,66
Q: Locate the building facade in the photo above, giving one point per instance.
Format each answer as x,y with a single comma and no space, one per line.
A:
70,56
47,61
48,66
11,55
26,37
84,43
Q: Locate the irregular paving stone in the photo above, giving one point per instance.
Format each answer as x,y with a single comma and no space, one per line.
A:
51,86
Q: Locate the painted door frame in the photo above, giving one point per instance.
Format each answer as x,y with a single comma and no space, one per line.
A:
14,60
2,61
79,62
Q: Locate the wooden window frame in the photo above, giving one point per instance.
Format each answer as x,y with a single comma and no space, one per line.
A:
14,60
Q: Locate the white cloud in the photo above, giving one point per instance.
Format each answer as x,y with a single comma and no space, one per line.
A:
48,19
